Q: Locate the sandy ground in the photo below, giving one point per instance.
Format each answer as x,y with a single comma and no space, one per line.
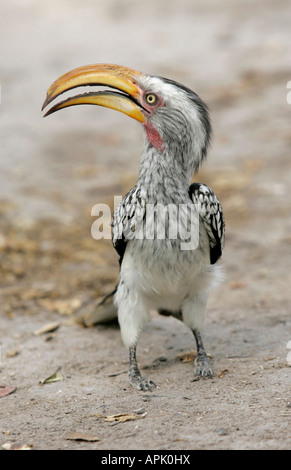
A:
237,56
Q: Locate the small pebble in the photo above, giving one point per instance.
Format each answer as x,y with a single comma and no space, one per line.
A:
195,379
140,411
222,432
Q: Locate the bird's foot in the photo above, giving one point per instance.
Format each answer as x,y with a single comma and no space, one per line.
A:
202,366
141,383
135,378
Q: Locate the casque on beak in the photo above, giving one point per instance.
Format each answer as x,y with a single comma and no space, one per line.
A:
124,96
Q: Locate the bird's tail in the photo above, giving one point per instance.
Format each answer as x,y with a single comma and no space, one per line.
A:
102,311
108,297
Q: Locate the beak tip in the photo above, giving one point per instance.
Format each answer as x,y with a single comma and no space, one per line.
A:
48,99
50,111
45,103
42,109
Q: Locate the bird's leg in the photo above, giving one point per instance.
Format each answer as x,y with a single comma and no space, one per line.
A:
135,378
202,366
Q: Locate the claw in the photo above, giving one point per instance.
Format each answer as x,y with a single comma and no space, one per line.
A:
202,366
142,383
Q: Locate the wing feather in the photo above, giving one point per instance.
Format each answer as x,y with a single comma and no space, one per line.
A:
211,215
127,216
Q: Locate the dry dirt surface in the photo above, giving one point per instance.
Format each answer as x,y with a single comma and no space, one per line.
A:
63,381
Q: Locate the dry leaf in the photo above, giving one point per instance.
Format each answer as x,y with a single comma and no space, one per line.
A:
48,328
56,377
221,373
12,353
122,417
237,285
80,436
188,356
16,446
6,390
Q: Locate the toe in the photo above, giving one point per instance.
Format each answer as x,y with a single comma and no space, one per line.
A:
142,383
202,367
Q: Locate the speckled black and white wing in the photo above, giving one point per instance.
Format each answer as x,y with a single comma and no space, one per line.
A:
211,215
127,220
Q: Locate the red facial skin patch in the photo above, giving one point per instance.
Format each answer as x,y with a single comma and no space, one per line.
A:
154,137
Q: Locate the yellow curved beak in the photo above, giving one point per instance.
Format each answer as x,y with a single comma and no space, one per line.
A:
124,97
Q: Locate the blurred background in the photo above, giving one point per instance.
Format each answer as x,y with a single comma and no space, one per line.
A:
236,55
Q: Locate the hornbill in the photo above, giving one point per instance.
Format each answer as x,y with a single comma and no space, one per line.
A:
168,260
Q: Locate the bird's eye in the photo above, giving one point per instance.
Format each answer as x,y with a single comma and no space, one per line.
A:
151,99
